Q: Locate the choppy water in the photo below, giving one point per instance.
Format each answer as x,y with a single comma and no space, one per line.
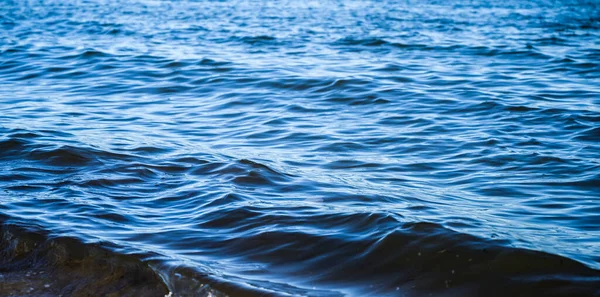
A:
309,148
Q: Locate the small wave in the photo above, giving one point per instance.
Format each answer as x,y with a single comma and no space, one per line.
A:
257,40
415,259
211,62
591,134
248,173
92,54
68,155
376,44
11,147
371,41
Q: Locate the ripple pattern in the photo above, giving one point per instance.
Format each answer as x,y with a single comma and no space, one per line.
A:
312,148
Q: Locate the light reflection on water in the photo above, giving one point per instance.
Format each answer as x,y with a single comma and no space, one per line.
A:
280,146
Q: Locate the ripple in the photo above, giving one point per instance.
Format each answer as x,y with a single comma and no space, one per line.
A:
299,148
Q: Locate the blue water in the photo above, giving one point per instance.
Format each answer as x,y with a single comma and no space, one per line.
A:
311,148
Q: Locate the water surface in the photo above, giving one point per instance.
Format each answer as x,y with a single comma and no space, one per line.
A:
298,148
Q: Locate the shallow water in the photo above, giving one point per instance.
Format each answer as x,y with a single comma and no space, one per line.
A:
321,148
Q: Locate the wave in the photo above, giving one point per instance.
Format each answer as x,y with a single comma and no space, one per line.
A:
528,51
363,148
414,259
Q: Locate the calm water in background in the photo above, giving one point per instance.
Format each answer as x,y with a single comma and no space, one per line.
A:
309,148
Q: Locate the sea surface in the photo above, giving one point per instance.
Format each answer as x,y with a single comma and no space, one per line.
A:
300,148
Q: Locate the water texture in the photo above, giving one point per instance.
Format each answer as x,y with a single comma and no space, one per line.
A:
302,148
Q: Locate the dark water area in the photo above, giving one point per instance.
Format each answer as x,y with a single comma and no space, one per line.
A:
300,148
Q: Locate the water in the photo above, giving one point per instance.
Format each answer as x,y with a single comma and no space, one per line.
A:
301,148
